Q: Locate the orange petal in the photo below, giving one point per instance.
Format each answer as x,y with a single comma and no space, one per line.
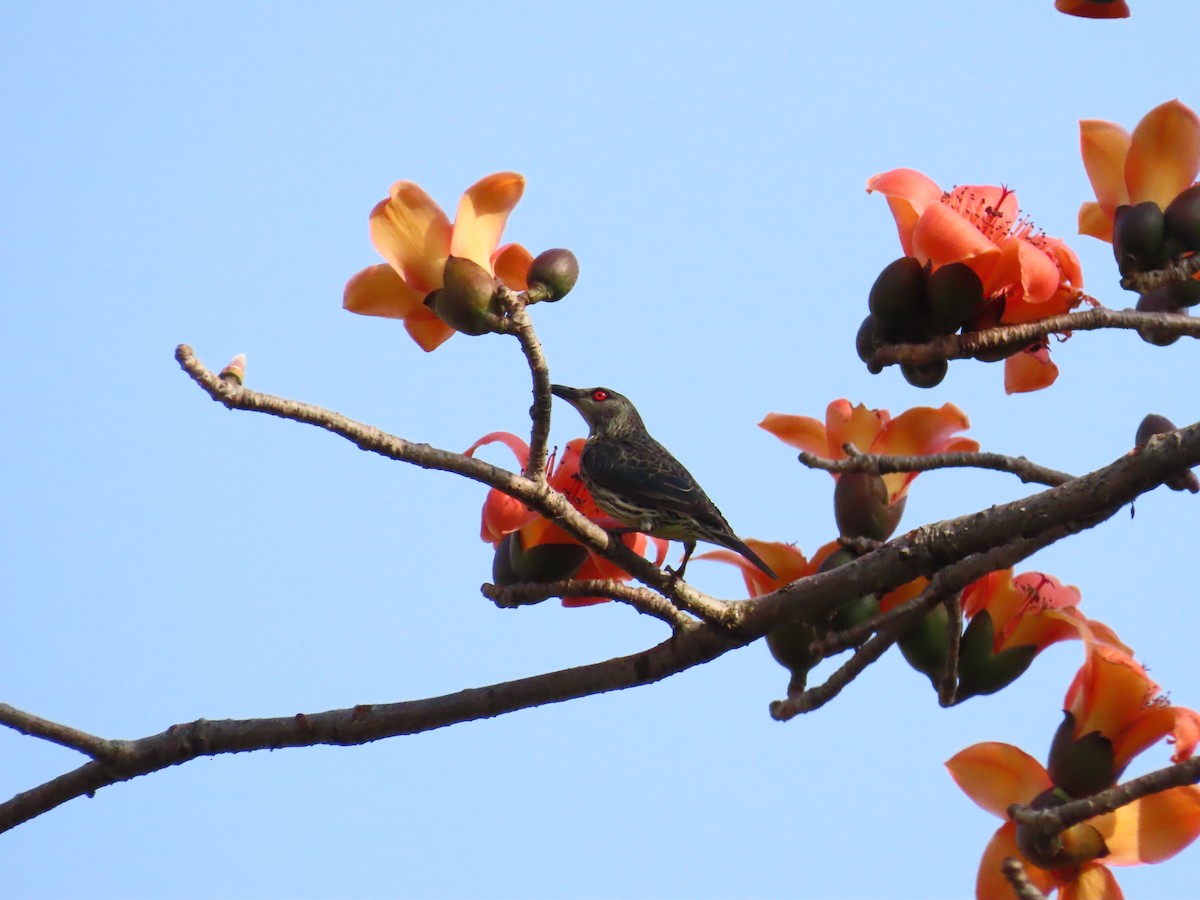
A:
1093,221
1025,372
412,233
1093,881
997,775
1164,157
856,425
379,291
482,214
518,447
801,432
427,330
788,562
511,265
1105,147
1153,828
945,236
924,430
990,883
909,193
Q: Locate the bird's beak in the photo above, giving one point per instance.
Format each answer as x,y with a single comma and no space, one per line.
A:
570,394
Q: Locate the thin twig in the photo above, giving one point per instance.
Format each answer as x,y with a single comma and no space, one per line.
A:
521,325
877,464
642,599
947,684
1018,878
63,735
1145,282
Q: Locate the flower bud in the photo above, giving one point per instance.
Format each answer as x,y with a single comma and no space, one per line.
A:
955,295
861,507
1080,766
852,612
926,645
1159,300
1181,219
546,562
552,275
898,294
980,671
790,644
865,342
1138,233
1155,424
925,375
467,300
235,371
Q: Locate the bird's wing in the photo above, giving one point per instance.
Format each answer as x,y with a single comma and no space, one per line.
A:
650,472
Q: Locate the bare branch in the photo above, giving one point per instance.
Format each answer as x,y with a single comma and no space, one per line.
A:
965,346
876,464
947,684
362,724
63,735
521,325
643,600
1179,270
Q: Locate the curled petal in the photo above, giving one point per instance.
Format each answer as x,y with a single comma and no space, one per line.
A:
412,233
997,775
518,447
511,264
1164,156
1186,734
1029,370
787,560
1093,9
1092,881
380,291
909,193
1105,147
482,214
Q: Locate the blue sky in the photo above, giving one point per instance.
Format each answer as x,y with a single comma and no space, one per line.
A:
203,173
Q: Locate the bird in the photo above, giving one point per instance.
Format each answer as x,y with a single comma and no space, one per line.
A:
635,479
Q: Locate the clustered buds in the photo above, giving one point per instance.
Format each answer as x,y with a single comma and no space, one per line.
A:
469,298
911,303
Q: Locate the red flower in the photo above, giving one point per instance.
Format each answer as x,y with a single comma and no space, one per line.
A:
504,515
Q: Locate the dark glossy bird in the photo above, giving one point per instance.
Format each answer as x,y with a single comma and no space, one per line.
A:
637,481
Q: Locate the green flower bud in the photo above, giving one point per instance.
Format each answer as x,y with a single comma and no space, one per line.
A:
1181,219
1080,767
789,644
1138,233
979,670
925,375
852,612
861,508
552,275
898,294
926,645
546,562
467,301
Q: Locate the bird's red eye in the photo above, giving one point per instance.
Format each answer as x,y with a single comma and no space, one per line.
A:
599,395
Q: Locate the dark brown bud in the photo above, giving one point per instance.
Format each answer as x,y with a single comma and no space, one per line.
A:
552,275
861,507
955,296
1181,219
898,294
1138,233
467,300
925,375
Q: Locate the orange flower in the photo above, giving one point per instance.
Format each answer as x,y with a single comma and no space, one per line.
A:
1093,9
416,238
981,226
1159,161
1031,609
920,431
1149,830
1114,697
504,515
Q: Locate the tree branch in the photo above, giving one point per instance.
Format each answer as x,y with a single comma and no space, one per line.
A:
520,324
876,464
63,735
643,600
689,647
965,346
